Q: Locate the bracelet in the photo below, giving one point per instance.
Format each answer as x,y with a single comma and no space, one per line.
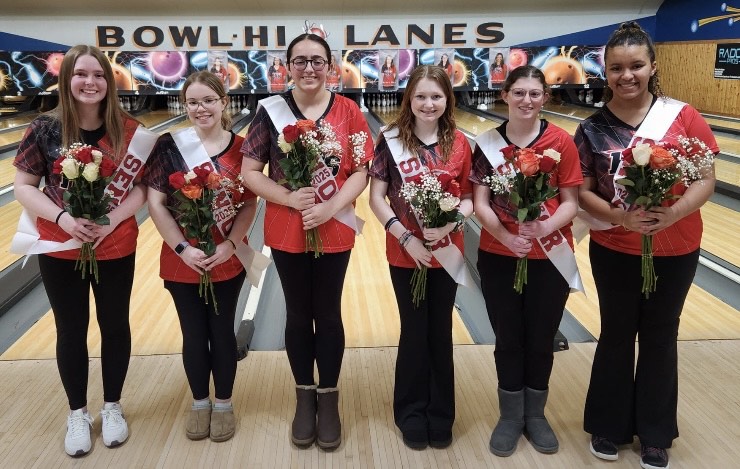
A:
390,222
405,238
59,216
232,243
624,219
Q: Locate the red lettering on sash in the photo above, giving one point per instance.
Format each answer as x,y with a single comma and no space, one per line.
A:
327,190
550,241
444,242
409,168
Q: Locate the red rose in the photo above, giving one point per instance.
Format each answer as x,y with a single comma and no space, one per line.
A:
177,180
291,133
107,168
84,155
547,164
627,157
202,176
509,152
306,125
58,165
661,158
671,147
192,191
528,162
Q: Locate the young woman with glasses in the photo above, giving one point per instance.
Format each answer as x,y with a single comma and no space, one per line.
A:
312,281
524,323
208,341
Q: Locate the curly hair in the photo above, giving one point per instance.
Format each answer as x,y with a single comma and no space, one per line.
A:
631,34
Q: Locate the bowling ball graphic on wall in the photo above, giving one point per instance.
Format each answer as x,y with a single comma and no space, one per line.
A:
561,70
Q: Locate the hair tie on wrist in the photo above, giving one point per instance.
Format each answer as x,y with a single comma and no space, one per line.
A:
232,243
390,222
59,216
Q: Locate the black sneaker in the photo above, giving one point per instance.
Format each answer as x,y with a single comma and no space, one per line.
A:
603,448
440,439
653,458
415,439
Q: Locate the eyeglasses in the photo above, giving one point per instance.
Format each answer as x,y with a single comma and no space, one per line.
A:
316,64
208,102
520,93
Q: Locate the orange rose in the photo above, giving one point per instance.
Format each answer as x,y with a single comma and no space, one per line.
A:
527,162
306,125
192,191
661,158
213,181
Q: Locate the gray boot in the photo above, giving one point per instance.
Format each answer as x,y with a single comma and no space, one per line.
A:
511,423
328,428
538,429
303,430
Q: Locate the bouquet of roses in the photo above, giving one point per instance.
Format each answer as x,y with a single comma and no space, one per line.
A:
651,171
435,200
195,191
87,173
304,144
527,187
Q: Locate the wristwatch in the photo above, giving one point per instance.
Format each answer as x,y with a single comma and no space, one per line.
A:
181,247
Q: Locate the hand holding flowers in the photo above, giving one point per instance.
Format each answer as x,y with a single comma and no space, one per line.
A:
195,191
87,174
527,188
435,200
651,171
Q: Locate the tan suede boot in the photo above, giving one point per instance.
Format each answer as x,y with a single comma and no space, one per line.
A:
198,424
223,424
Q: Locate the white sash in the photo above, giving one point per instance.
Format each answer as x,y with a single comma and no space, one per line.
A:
555,245
195,156
27,239
322,179
444,250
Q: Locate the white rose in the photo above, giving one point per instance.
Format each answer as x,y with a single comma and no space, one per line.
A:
285,147
97,156
189,176
447,204
554,154
90,173
70,168
641,154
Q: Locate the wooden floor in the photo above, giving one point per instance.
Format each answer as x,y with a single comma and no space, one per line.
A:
156,401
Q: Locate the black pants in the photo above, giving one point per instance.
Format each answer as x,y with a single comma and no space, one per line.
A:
424,391
525,324
69,296
623,400
208,340
314,332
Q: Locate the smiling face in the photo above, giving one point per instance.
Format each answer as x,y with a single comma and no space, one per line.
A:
628,71
428,101
88,84
208,113
525,98
308,79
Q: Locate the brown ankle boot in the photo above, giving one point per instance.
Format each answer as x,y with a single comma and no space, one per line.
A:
329,428
303,430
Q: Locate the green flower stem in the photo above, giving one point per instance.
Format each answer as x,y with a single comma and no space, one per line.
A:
419,285
520,277
314,243
649,279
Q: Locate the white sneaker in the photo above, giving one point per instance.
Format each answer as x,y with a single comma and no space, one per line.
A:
115,429
77,442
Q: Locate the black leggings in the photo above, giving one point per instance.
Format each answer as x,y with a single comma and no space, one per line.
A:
424,389
208,340
525,324
622,400
313,297
69,296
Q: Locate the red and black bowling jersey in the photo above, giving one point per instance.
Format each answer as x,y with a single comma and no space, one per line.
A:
167,160
283,224
278,77
566,174
37,152
385,169
601,139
